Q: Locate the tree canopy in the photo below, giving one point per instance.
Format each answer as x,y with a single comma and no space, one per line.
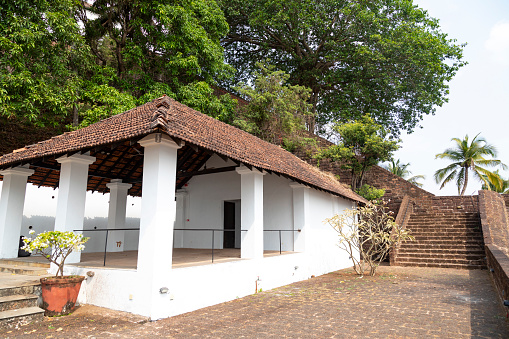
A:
388,58
362,144
276,112
469,155
101,58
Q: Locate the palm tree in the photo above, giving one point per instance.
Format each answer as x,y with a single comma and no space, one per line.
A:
401,170
504,189
469,156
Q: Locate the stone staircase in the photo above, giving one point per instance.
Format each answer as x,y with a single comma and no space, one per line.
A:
19,292
449,238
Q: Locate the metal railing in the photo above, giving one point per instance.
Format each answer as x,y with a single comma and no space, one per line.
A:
280,235
213,230
107,231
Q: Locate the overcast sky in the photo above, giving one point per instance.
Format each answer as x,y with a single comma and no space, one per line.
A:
479,94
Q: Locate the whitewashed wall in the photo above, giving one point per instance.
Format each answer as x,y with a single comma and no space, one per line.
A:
206,195
196,287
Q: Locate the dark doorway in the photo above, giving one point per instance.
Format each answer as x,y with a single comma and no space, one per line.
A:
229,224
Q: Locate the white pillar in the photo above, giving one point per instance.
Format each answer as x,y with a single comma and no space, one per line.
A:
300,217
72,191
116,214
156,223
251,205
12,201
180,219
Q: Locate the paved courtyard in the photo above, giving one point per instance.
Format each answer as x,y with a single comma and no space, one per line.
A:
399,303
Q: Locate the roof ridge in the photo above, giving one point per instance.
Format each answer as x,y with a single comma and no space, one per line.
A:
160,116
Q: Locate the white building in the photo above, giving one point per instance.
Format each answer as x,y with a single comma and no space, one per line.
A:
206,189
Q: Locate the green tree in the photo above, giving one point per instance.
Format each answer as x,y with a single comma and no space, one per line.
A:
401,170
362,144
276,112
469,156
498,186
162,47
96,59
42,61
386,57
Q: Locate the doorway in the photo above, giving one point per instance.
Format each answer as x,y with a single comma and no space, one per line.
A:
231,224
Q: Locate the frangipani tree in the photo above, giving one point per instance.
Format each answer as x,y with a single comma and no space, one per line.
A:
368,233
55,246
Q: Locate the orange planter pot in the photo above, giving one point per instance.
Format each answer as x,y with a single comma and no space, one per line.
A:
59,294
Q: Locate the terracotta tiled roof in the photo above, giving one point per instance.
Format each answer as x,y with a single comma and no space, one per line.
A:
168,116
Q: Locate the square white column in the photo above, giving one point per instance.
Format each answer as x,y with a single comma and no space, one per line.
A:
300,217
251,213
72,192
116,214
12,202
158,210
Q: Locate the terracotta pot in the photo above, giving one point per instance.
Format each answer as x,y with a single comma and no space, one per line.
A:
59,294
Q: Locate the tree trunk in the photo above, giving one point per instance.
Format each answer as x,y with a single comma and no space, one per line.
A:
466,182
75,120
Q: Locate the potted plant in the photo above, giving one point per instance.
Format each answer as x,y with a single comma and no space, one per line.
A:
59,293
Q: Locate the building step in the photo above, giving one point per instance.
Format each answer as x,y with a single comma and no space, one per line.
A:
441,255
451,246
454,224
451,237
478,251
22,316
441,265
31,288
24,270
428,259
12,302
14,262
470,233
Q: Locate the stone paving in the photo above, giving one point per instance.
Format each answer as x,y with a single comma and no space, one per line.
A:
401,302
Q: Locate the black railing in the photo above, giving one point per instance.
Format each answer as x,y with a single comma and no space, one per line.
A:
107,231
213,230
280,235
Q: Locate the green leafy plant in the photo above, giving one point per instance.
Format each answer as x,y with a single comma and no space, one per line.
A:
55,246
367,234
277,111
362,144
370,193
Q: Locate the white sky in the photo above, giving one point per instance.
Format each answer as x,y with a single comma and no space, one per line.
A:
479,93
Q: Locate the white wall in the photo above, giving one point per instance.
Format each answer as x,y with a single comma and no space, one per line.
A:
206,196
324,254
277,212
40,209
196,287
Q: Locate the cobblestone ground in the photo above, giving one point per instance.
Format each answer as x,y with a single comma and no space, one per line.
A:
399,303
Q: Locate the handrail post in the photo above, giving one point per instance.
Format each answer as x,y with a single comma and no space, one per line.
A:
279,241
212,245
105,248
